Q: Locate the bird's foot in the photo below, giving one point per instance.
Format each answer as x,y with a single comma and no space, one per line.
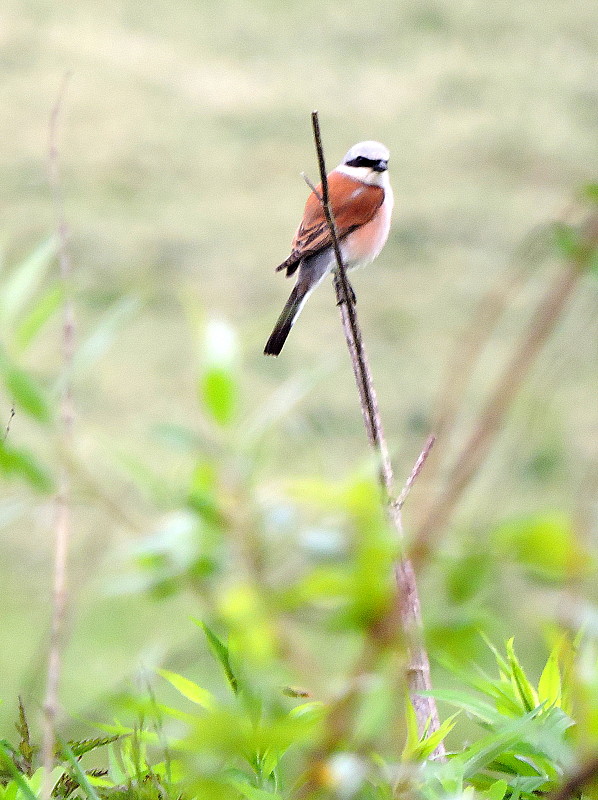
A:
352,296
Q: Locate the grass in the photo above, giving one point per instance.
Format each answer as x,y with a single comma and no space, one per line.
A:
183,135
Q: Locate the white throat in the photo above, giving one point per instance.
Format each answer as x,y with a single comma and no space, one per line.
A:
365,175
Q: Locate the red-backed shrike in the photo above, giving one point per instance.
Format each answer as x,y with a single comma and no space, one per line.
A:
361,200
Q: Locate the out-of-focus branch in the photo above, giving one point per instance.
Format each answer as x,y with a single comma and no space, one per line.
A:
546,317
409,612
460,368
586,774
63,520
470,345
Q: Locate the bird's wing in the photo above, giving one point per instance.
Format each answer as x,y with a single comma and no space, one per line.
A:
353,204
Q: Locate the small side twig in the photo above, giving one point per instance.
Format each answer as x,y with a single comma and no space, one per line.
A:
418,669
63,499
415,472
7,428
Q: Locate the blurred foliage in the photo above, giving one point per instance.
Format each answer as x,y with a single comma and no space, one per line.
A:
182,136
197,467
253,744
293,581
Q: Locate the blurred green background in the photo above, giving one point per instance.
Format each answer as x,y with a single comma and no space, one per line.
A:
183,132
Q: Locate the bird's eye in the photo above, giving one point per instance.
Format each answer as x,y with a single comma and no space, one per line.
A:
375,164
360,161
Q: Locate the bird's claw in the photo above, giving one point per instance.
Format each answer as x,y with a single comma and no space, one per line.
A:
338,285
352,297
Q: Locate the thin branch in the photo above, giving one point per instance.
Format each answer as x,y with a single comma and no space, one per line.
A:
381,633
415,472
408,605
63,522
369,404
7,428
312,186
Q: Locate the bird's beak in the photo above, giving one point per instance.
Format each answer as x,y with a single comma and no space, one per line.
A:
380,166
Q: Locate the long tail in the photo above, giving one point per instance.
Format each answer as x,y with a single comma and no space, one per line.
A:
285,322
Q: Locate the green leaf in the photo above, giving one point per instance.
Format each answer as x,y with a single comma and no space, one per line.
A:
42,311
218,392
412,732
497,790
221,652
503,666
102,337
79,774
590,192
252,793
574,245
269,761
18,778
188,689
524,688
469,703
428,744
83,746
566,239
419,748
546,544
280,404
25,747
26,394
549,685
468,575
24,280
37,779
314,710
478,756
21,463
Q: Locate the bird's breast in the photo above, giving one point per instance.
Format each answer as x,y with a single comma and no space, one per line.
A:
363,244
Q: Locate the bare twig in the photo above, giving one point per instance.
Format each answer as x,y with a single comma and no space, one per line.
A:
63,498
418,670
586,774
7,428
417,468
312,186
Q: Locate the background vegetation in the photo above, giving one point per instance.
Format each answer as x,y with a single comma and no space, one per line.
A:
203,471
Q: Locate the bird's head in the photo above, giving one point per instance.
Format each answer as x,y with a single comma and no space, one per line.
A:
366,162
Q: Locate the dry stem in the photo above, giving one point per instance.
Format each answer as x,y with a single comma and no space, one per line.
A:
63,498
418,670
478,445
467,351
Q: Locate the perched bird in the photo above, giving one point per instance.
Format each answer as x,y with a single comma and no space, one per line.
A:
362,201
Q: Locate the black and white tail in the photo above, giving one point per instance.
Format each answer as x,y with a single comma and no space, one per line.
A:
285,322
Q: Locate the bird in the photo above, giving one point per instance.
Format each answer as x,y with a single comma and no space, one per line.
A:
362,200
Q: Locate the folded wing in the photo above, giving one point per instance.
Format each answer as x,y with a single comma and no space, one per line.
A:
353,204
